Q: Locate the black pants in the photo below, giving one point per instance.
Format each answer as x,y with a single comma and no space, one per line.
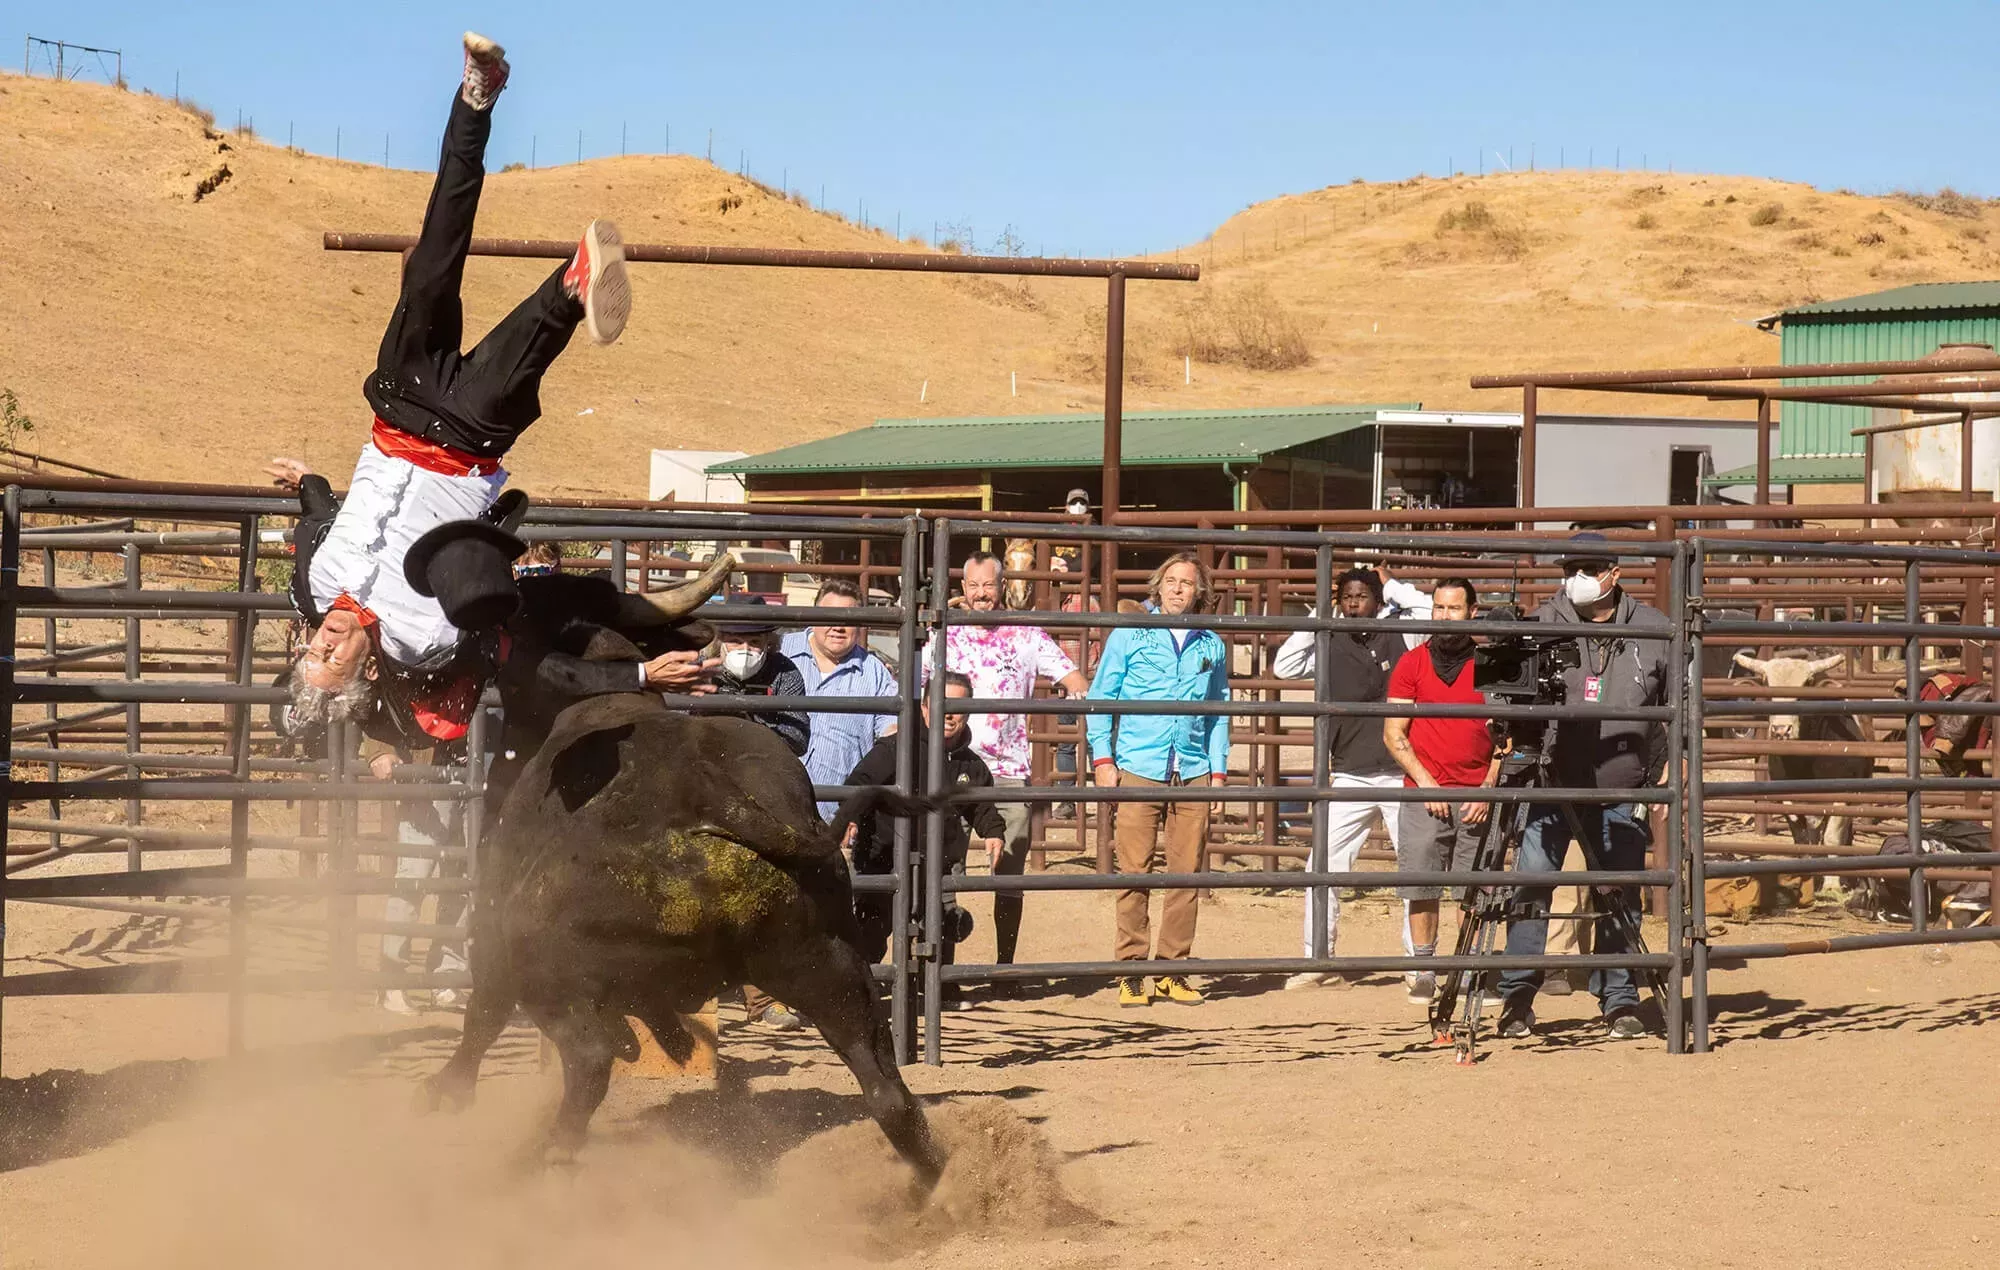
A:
480,401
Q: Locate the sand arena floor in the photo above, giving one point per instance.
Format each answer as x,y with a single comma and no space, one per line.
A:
1842,1120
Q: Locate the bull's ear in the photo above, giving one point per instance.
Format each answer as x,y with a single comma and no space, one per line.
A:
1821,665
1751,664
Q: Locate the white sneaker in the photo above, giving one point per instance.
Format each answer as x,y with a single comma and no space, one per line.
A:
1304,979
485,71
393,1000
596,279
447,998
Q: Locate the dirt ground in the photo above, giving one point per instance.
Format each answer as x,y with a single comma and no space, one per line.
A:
1263,1128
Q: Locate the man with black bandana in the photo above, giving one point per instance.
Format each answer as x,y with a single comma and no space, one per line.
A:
1440,754
1609,754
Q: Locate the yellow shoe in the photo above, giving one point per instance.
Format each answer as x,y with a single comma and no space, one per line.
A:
1132,991
1175,988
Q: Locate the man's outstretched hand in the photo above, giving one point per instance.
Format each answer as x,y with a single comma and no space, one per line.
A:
287,473
683,673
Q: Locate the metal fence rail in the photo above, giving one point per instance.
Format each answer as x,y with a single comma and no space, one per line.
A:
180,724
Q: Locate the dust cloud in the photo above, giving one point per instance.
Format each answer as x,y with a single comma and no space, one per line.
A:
335,1174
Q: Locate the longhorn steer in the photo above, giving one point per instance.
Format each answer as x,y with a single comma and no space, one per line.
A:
644,860
1800,672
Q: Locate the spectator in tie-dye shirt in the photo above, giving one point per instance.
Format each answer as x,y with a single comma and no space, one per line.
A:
1003,662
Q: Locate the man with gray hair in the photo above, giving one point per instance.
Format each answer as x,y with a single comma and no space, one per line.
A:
1003,662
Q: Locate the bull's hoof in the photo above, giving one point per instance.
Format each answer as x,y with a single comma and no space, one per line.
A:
443,1093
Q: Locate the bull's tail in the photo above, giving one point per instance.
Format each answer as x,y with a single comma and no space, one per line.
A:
875,800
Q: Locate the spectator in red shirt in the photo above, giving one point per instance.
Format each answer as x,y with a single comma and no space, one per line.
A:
1438,754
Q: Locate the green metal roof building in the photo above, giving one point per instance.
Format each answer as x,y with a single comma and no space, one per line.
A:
1816,444
1282,458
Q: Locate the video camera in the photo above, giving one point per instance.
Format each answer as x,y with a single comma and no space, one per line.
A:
1523,669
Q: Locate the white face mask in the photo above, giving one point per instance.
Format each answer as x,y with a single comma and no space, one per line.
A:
1583,588
743,662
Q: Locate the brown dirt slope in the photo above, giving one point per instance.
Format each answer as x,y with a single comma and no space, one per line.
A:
158,333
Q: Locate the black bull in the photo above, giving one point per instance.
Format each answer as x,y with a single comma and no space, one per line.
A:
642,862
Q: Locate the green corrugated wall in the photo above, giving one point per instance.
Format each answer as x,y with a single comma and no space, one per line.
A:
1807,429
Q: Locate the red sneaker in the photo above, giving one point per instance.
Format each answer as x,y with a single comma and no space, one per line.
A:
596,279
485,71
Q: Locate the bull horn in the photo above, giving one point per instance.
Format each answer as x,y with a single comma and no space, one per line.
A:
1750,663
1824,664
684,599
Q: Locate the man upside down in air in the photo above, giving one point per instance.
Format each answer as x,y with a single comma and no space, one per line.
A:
443,421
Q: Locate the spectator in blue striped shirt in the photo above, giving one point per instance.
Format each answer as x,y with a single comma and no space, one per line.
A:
835,663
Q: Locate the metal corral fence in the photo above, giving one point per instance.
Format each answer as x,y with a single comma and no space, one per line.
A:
155,609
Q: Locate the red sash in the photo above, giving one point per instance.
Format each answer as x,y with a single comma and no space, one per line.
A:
429,455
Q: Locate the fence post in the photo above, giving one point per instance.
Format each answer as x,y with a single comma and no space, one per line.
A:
1674,850
900,1020
935,941
10,583
134,633
1322,759
55,710
239,807
1696,839
1913,743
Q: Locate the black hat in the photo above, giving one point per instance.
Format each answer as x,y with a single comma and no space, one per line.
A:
1580,554
466,565
742,626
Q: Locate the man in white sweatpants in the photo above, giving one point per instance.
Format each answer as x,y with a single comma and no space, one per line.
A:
1357,671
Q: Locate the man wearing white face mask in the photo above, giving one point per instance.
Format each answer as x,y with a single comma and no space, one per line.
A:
751,666
1607,754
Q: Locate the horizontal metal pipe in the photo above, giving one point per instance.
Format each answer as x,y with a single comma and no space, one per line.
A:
1943,785
796,258
259,791
1721,374
47,726
1442,963
1726,954
1848,864
1376,879
209,882
1302,793
1138,533
1871,630
213,975
118,600
168,762
202,913
1299,622
1867,706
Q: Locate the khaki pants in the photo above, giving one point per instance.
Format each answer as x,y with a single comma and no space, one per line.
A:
1570,937
1186,834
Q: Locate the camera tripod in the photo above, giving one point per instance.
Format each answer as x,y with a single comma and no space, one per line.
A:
1484,914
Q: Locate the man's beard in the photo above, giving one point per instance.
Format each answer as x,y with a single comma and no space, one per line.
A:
1453,644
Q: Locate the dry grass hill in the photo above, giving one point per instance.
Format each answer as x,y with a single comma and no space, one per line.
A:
169,312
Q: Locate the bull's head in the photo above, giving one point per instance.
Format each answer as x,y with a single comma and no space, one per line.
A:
1788,672
1018,593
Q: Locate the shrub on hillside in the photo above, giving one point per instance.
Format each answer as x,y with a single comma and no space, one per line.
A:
1768,214
1474,216
202,114
1246,327
1646,220
1946,202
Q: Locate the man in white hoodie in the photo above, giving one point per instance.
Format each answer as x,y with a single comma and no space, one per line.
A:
1359,671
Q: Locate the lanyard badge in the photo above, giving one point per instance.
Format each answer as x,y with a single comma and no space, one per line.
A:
1593,689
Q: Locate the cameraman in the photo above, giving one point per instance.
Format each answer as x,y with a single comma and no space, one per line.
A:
1615,670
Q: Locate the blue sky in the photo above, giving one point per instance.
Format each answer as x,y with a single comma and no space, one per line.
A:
1105,128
